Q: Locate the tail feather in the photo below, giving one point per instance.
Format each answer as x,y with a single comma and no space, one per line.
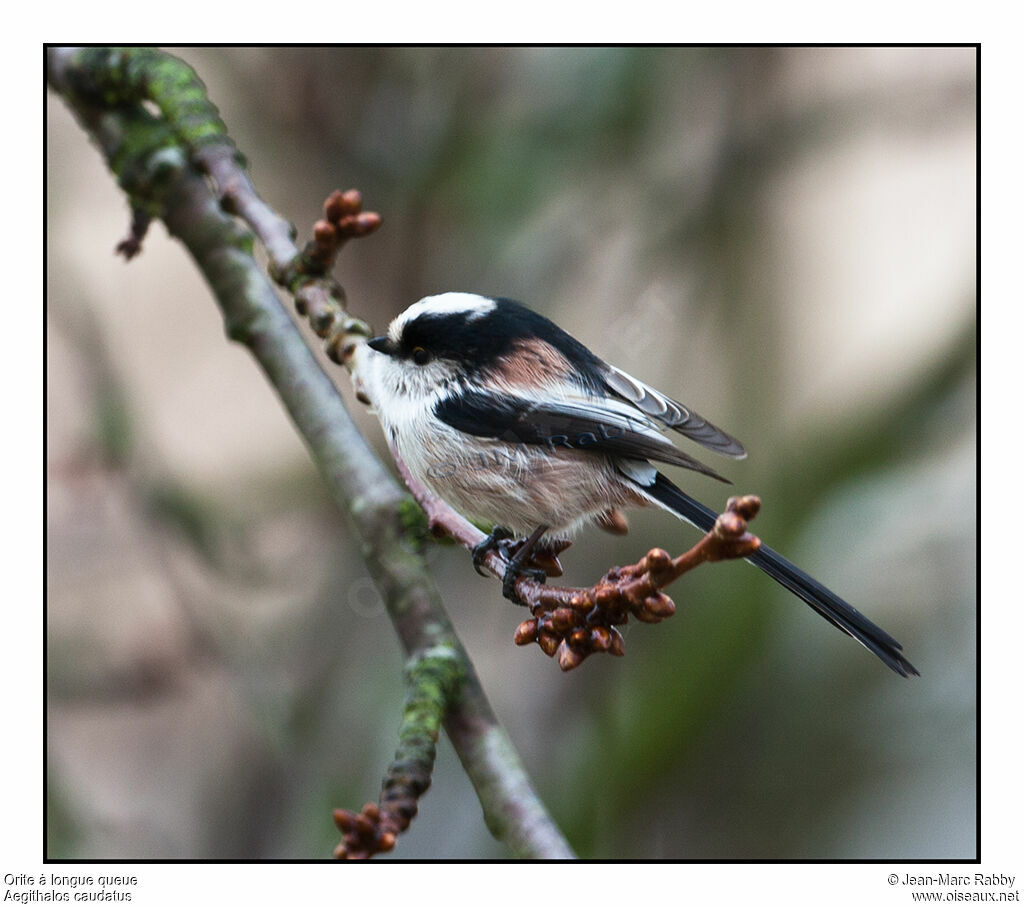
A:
829,605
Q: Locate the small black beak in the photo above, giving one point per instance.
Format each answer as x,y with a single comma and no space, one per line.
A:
380,344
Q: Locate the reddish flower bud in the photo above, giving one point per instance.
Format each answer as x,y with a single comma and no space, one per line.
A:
731,524
363,826
526,632
661,605
657,559
601,639
569,658
548,642
618,643
352,201
324,233
579,638
334,207
562,619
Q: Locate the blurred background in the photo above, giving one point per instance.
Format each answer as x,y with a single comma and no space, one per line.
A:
783,238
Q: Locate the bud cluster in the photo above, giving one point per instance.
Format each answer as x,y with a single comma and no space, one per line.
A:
571,624
586,622
344,219
365,833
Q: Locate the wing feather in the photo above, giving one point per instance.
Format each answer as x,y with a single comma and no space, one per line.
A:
672,413
584,424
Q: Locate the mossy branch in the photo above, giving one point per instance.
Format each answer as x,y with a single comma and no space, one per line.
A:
164,140
433,679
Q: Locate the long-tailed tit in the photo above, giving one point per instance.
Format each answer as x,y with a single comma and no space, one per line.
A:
515,423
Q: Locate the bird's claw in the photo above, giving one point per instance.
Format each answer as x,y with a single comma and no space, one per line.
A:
502,541
512,573
496,541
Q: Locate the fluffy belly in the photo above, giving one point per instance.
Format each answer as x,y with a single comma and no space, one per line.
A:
518,486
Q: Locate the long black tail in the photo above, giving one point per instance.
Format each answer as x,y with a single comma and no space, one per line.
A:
825,602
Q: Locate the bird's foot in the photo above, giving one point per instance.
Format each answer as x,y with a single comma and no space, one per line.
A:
498,540
517,554
512,573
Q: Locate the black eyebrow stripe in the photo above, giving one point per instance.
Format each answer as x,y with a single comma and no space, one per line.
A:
476,341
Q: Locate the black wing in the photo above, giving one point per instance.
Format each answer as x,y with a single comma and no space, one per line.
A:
586,425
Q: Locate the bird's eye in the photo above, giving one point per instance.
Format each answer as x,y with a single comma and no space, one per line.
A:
420,356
